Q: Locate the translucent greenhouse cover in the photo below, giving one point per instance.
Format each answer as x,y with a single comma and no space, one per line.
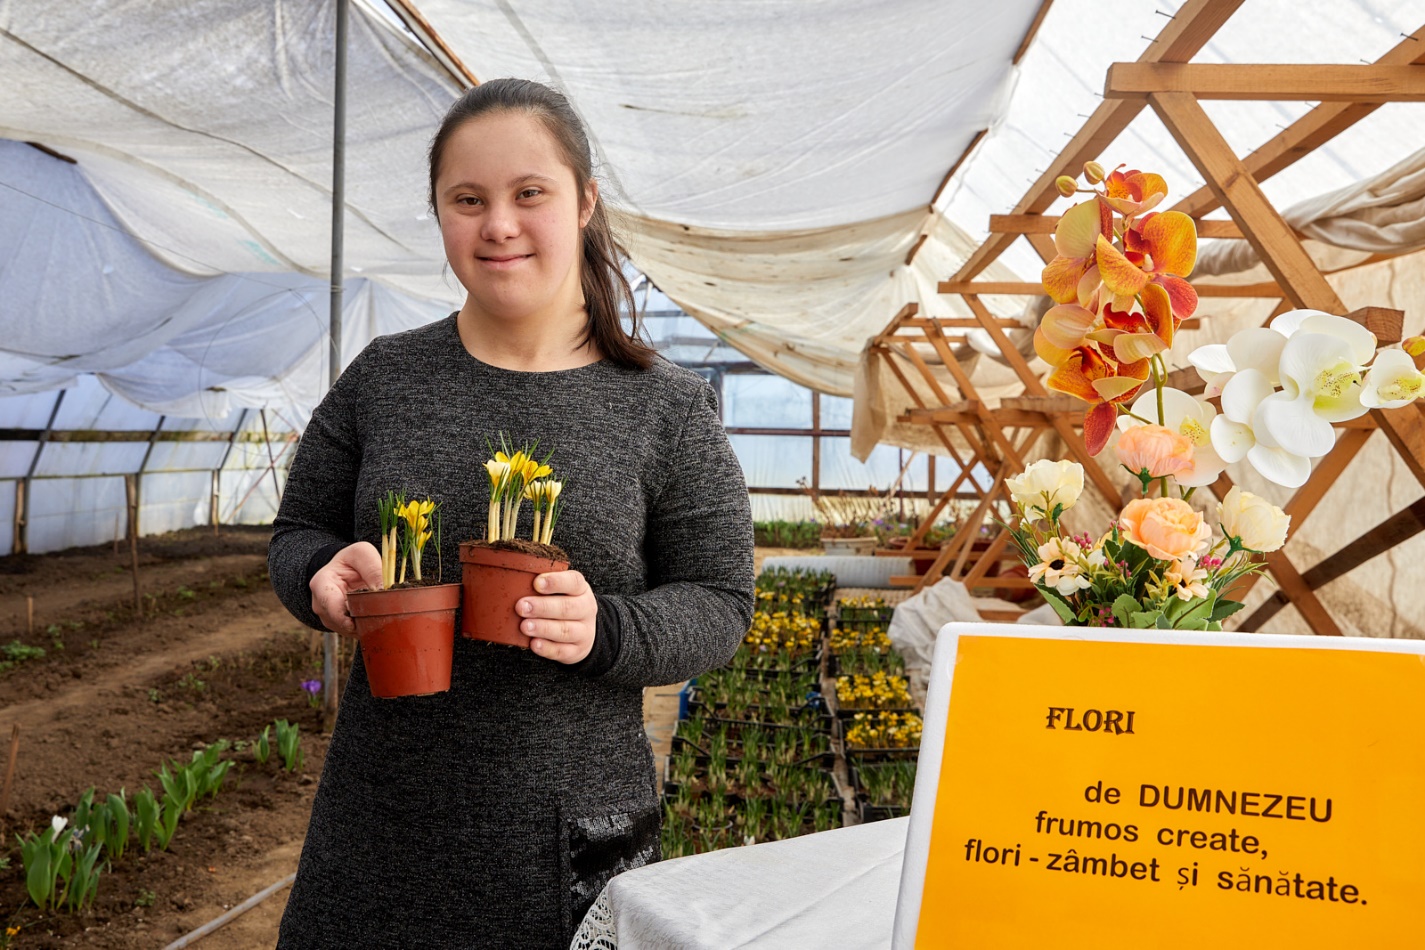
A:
773,161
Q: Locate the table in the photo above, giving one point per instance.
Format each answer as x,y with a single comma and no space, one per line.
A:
833,889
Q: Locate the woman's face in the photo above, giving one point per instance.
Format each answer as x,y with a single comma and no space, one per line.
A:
511,217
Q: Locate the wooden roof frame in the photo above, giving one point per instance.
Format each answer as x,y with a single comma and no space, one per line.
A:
1163,79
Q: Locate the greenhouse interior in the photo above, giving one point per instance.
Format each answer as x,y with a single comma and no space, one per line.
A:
888,402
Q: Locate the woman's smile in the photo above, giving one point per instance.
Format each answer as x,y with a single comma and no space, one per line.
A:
504,261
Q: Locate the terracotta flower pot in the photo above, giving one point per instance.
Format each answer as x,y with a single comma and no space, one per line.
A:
407,638
494,580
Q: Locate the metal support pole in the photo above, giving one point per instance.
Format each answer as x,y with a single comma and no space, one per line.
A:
329,675
218,472
138,477
21,543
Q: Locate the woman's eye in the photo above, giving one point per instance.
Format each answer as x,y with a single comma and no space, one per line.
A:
467,200
530,193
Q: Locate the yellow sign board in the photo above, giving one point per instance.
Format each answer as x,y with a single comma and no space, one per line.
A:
1131,790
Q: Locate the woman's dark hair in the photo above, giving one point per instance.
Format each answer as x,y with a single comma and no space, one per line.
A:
605,288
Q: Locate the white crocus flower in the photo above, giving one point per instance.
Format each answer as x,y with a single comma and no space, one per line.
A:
58,823
1392,382
1187,416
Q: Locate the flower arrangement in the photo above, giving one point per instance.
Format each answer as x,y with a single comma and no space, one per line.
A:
406,528
1160,564
517,477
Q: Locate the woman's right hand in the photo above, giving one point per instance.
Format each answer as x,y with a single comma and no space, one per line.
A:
355,567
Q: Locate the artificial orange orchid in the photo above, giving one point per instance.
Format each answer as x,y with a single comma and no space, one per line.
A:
1073,274
1103,383
1121,293
1133,192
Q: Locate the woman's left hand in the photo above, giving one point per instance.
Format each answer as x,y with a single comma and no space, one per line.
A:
560,619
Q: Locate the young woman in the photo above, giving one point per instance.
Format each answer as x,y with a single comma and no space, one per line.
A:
492,815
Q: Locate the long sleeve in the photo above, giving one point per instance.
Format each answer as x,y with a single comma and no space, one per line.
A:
317,512
699,551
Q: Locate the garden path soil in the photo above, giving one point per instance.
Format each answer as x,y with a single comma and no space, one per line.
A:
214,657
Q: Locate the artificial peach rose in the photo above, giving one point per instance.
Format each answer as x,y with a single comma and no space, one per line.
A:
1158,449
1167,528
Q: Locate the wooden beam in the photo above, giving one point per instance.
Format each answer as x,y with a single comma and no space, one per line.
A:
1023,288
957,323
1045,224
1033,386
1309,132
944,182
914,396
1181,38
1399,527
1318,82
1273,239
1055,403
1033,29
1387,324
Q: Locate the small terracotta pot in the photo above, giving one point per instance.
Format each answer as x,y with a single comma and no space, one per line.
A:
407,638
493,582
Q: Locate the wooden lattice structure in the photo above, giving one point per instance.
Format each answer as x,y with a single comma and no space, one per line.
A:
1164,80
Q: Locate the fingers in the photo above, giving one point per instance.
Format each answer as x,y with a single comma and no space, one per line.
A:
561,582
354,567
557,608
560,652
329,603
364,560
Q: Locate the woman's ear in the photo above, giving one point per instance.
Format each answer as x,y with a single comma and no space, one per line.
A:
591,199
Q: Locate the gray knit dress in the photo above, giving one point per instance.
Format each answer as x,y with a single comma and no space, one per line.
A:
493,814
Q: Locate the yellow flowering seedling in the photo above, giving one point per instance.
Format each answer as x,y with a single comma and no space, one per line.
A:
406,528
517,475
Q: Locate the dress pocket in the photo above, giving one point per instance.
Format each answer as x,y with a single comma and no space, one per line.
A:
596,844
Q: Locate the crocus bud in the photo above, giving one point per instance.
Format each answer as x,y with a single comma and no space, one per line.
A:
1066,185
1094,172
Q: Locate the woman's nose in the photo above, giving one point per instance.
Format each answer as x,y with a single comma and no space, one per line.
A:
500,223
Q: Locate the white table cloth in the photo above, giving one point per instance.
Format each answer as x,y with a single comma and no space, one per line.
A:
833,889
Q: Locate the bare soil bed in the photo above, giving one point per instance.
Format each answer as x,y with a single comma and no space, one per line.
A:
214,656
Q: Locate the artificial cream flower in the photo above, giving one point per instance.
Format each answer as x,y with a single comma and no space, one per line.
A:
1257,524
1187,579
1392,382
1045,485
1059,567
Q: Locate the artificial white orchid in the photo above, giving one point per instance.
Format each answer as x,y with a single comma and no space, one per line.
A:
1317,360
1321,367
1392,382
